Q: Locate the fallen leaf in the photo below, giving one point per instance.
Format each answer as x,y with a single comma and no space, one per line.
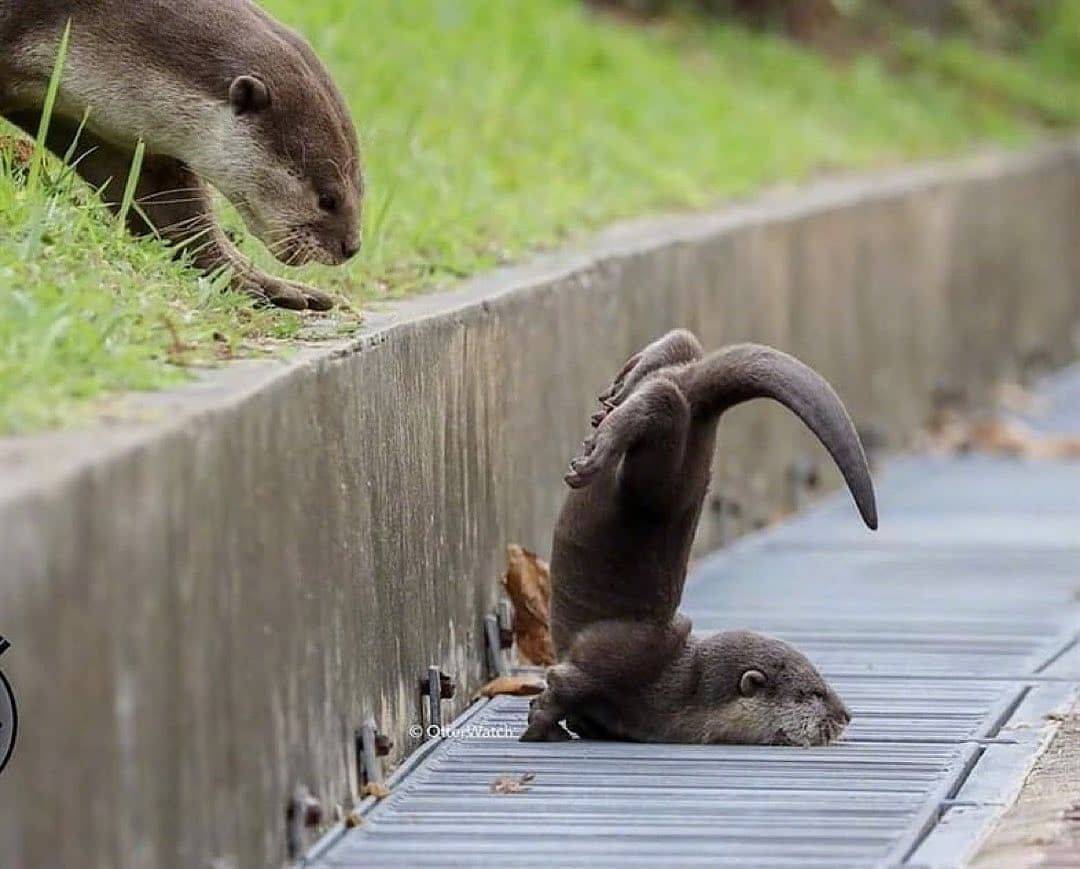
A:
952,433
353,819
508,784
514,686
528,583
375,789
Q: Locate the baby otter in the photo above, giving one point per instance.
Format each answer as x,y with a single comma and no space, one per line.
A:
220,94
628,665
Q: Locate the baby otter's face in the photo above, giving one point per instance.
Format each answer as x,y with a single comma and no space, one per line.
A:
766,692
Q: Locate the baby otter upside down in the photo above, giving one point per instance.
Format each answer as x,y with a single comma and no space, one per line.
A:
628,666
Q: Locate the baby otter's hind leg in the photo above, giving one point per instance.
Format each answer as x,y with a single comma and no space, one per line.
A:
650,430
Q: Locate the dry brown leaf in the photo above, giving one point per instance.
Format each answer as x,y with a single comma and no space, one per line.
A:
514,686
375,789
1014,398
1003,438
353,819
509,784
528,583
1014,439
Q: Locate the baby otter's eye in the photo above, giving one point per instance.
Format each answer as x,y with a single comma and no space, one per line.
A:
328,202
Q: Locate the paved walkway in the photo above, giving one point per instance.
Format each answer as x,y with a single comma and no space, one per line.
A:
951,633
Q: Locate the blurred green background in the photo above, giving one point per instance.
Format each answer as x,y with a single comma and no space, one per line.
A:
492,128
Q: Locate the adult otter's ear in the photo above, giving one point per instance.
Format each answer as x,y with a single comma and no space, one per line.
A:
248,94
751,682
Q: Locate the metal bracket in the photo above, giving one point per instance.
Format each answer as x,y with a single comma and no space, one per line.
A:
436,686
302,812
371,745
493,643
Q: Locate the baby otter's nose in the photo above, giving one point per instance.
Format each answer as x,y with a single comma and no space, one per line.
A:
349,249
838,707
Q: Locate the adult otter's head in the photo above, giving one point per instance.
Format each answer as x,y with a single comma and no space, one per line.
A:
285,152
760,690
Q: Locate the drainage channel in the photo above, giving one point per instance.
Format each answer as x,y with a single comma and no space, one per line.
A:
952,634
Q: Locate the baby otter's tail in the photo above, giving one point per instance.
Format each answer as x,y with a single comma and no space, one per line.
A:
746,371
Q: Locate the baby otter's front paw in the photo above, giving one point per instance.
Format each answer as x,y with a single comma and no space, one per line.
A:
284,294
543,730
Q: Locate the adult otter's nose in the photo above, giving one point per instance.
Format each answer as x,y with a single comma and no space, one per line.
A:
349,249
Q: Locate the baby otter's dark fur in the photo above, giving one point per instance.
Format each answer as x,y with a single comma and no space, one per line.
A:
629,668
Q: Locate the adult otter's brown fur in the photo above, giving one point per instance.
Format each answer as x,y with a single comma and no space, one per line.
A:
629,668
220,93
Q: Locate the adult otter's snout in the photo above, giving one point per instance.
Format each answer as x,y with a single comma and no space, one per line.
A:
304,202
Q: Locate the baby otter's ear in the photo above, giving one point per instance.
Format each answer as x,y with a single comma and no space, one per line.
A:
751,682
248,94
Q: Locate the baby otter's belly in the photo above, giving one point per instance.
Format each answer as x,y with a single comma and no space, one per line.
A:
591,584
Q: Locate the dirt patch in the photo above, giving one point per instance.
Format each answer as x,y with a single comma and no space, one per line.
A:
1042,829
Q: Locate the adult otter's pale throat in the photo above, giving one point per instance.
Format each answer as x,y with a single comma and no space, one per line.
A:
220,93
628,666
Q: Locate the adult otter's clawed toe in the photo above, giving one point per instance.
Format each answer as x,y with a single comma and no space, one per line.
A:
629,667
221,95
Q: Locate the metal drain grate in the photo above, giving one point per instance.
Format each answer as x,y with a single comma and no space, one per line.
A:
935,631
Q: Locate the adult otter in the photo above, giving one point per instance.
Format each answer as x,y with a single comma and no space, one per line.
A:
629,668
220,93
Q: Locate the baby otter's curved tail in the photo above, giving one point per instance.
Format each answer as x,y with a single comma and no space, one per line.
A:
746,371
644,430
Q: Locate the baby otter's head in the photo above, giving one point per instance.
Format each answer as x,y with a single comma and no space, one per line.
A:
286,154
760,690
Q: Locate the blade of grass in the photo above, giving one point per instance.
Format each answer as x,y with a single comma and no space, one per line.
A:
132,184
38,161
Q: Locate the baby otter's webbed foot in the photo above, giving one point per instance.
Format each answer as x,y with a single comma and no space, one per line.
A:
677,347
653,419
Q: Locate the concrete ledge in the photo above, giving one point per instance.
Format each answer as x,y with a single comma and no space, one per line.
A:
204,604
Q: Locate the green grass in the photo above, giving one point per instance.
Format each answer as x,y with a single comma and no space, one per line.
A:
491,129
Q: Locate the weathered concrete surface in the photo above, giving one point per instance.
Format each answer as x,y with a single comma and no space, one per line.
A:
1042,829
205,604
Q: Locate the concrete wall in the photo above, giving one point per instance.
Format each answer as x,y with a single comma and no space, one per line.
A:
206,601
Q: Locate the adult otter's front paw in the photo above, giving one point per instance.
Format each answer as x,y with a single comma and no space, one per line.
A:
284,294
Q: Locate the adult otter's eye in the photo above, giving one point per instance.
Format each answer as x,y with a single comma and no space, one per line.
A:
328,202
